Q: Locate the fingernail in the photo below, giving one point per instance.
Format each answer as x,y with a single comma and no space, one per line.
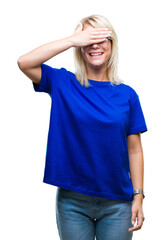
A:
133,223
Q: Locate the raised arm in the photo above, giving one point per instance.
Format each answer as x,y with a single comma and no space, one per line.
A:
30,63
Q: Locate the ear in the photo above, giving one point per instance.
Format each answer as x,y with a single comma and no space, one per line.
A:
79,27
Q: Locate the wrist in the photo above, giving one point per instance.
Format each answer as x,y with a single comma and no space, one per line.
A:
138,194
71,41
138,197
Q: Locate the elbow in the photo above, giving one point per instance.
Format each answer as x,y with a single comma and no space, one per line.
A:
21,63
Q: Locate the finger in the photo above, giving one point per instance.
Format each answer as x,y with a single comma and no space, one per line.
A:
98,40
103,36
140,221
101,32
100,29
138,226
81,26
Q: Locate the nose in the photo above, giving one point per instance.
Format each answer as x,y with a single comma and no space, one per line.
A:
95,45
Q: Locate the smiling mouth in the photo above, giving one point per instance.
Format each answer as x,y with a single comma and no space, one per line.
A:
96,54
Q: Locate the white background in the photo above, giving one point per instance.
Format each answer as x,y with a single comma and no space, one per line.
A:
27,205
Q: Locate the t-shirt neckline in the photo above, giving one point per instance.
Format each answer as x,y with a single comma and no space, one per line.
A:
99,83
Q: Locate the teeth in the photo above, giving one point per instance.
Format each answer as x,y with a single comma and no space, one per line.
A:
95,54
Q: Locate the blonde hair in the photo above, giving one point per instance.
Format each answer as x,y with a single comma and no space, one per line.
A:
112,66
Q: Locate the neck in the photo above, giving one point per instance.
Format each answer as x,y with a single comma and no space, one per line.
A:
97,74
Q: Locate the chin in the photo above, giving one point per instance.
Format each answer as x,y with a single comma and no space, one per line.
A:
96,62
96,65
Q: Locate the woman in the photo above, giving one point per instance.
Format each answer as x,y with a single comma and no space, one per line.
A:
94,153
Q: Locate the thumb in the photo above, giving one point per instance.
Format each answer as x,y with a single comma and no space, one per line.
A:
79,27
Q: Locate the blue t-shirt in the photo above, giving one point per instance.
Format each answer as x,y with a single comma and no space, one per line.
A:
87,139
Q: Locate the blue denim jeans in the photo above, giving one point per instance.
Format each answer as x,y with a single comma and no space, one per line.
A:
83,217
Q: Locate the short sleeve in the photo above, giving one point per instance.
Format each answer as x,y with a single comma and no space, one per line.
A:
137,123
46,79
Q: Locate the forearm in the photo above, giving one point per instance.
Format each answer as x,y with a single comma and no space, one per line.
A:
39,55
43,53
137,172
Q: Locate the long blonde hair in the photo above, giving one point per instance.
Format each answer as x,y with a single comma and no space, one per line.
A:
112,66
